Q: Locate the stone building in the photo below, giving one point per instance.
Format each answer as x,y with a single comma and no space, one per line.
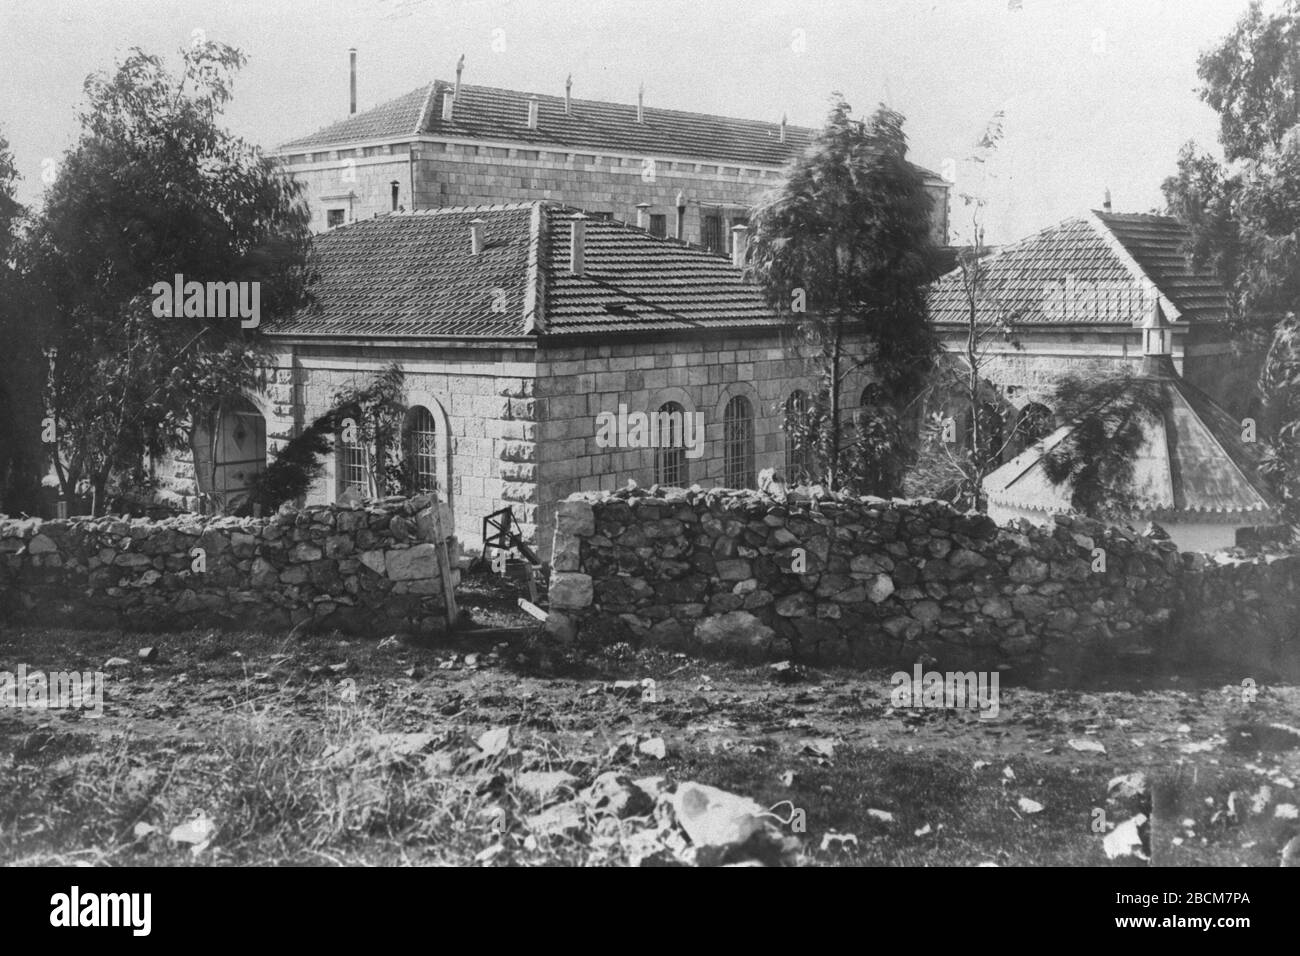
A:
1074,297
686,175
1193,474
524,330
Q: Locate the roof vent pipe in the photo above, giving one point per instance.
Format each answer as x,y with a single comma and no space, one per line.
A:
568,95
640,104
1105,204
641,208
352,59
577,245
476,236
532,112
460,66
783,127
681,214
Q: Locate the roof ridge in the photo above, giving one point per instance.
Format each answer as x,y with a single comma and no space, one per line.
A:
1130,262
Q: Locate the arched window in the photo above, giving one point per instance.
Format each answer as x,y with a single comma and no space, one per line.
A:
1035,423
670,445
738,443
420,447
798,437
352,463
229,447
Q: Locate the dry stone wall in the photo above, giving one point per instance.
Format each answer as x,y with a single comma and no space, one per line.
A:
872,582
362,570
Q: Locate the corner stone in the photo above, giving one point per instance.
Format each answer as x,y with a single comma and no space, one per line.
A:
570,589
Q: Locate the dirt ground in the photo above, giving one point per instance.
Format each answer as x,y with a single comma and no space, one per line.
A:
245,730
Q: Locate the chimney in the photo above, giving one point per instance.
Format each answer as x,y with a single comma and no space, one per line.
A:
640,104
783,127
395,186
568,95
681,214
641,208
577,245
352,58
739,245
532,112
448,106
476,236
1105,205
460,66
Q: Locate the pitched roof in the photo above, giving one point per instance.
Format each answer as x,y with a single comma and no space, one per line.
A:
1090,270
1192,463
484,112
414,275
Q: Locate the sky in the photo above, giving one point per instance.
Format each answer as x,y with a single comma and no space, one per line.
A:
1096,94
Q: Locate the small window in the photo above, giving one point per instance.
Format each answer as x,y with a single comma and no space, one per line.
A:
352,462
421,446
738,443
670,450
658,224
711,233
334,217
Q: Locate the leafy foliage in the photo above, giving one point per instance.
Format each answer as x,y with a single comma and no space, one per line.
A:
1111,416
842,245
1245,217
376,411
153,188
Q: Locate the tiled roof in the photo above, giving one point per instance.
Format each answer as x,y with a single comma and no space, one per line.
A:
633,281
399,117
413,274
483,112
1089,270
1193,462
1157,242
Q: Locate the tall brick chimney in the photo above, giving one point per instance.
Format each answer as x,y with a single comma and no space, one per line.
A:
739,245
352,59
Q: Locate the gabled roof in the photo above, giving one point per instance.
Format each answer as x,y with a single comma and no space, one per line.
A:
414,275
1090,270
488,113
1192,464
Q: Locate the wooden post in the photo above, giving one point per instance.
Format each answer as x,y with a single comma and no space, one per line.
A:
444,565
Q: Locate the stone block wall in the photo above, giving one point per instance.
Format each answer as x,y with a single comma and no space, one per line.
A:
577,383
362,570
469,174
868,581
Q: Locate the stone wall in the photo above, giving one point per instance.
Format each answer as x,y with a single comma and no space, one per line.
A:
890,582
576,383
363,570
469,174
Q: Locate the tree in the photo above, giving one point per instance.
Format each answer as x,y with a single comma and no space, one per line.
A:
948,464
1244,213
842,246
20,362
1110,418
155,187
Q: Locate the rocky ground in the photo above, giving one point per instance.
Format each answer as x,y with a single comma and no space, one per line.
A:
253,748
